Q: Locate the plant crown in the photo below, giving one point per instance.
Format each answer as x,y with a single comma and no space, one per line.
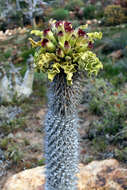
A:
63,48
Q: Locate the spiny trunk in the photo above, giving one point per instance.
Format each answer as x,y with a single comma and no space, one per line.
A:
61,134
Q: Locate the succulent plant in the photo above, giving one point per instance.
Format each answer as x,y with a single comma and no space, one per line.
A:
63,53
63,48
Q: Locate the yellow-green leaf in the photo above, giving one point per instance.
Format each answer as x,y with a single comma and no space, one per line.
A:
34,44
37,33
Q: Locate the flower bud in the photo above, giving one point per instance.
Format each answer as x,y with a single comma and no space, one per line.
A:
68,30
60,53
67,24
81,38
48,45
81,33
73,40
66,44
90,45
48,34
67,47
61,38
59,25
44,42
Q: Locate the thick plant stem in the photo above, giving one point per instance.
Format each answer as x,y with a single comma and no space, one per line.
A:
61,134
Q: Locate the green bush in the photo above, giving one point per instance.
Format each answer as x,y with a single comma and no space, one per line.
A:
60,14
26,53
110,105
114,15
75,23
14,153
39,85
89,12
8,53
121,154
115,72
105,97
107,131
73,4
99,10
115,43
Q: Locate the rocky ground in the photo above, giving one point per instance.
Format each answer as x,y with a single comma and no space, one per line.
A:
28,140
23,147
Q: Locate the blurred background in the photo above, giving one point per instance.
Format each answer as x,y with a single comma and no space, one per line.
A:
103,109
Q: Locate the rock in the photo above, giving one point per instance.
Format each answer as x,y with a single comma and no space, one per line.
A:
89,22
26,180
9,113
4,165
2,36
98,175
9,32
12,85
103,175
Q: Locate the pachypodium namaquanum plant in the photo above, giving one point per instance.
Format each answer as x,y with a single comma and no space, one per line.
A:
64,53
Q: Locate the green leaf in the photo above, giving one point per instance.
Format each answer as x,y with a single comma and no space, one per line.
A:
37,33
89,62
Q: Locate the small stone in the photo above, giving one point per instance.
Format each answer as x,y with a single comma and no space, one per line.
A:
18,135
40,114
7,32
10,135
86,124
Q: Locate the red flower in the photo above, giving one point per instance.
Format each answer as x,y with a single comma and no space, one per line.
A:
90,45
58,23
59,51
44,42
46,31
60,33
68,27
66,44
67,24
81,32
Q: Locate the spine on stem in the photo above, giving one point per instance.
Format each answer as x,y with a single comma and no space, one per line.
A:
61,138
